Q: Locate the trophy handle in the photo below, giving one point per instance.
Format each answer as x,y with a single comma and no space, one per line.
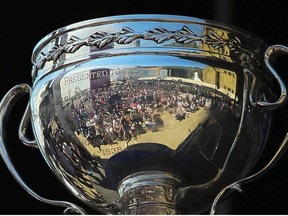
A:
237,185
6,105
270,51
279,49
23,129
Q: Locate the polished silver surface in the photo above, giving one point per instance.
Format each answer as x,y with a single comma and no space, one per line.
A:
150,114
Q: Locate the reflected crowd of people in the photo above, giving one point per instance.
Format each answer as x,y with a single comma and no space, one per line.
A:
128,108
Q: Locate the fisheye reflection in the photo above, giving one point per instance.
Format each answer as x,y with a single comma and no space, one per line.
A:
108,116
73,160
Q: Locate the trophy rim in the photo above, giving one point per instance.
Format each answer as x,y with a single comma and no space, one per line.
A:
142,17
51,47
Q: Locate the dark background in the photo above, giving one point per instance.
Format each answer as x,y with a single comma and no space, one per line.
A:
22,25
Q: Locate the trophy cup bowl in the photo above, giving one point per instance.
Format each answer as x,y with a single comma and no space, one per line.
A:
149,114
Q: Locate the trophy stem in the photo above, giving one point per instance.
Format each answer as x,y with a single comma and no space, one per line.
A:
149,192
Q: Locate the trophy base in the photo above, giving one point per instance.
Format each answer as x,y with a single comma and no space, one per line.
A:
149,192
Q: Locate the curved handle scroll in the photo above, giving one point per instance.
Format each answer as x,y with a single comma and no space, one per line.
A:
23,129
236,186
6,106
270,51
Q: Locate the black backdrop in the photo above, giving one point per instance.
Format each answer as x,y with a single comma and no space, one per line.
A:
22,25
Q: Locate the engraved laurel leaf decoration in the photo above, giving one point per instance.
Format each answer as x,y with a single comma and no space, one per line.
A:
42,61
235,44
126,36
73,44
99,39
186,31
104,41
185,36
159,34
55,53
215,40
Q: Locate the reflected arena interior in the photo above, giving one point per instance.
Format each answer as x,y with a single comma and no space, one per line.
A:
149,113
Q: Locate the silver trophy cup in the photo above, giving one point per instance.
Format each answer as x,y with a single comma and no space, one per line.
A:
149,114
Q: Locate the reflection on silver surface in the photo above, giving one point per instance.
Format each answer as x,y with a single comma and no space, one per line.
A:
152,114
